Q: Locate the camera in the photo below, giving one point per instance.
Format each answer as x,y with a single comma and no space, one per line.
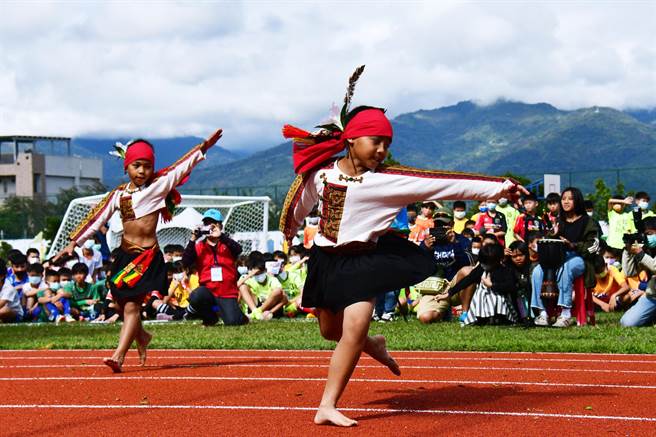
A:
636,238
205,230
440,233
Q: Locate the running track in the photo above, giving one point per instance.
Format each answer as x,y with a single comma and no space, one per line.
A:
259,392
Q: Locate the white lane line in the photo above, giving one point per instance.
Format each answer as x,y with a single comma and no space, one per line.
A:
118,378
330,351
358,410
324,357
321,366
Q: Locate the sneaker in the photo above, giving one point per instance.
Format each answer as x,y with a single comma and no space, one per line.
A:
69,319
162,316
463,317
562,322
375,318
541,321
256,314
387,317
60,318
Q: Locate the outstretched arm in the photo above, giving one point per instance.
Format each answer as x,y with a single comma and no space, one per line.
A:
301,198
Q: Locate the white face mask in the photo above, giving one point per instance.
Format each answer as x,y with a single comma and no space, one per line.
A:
294,259
33,260
242,270
261,278
459,214
503,202
176,258
313,220
590,213
64,282
475,250
54,286
643,205
491,206
272,267
283,276
178,276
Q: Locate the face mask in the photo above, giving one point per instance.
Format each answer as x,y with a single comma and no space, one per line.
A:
261,278
178,276
176,259
283,276
242,270
482,208
88,244
96,247
64,283
651,241
589,213
34,280
459,214
491,206
272,267
54,286
610,261
643,205
33,260
475,250
294,259
313,220
503,202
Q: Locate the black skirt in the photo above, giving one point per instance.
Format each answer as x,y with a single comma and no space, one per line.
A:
336,281
154,279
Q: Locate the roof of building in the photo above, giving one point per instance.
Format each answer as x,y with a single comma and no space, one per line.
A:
31,138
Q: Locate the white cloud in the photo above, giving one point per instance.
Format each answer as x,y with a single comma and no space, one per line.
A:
177,68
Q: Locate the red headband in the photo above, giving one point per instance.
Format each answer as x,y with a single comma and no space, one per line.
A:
139,150
369,122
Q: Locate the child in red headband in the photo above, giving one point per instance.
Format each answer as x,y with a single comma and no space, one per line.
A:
138,268
354,256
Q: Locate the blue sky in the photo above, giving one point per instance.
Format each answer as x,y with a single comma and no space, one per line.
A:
171,68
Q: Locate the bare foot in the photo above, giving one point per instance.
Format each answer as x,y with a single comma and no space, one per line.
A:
379,353
142,347
115,365
330,415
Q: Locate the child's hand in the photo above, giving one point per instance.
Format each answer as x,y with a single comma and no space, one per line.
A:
442,296
68,250
487,281
211,140
91,301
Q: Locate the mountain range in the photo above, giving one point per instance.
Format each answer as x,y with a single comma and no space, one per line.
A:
525,139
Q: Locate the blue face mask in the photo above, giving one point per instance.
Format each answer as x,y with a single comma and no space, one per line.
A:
34,280
491,206
482,208
651,241
54,286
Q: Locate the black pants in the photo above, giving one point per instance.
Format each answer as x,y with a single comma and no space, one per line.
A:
209,308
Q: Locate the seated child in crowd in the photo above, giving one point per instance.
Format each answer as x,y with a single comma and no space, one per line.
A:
35,285
265,290
11,310
52,308
182,282
292,284
86,299
612,292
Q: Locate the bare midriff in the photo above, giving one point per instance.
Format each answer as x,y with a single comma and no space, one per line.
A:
142,231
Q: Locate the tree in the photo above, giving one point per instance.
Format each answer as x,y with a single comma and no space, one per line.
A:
600,198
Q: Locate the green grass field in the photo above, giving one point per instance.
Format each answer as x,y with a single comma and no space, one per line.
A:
607,336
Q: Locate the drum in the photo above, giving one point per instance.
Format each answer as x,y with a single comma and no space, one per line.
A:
551,256
432,285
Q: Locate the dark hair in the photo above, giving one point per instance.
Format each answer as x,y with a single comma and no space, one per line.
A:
476,240
491,254
300,250
489,237
17,258
32,250
617,196
577,197
255,261
411,207
468,232
242,260
532,236
519,245
65,271
599,264
459,204
35,268
280,254
531,196
428,205
169,248
51,272
268,256
175,267
470,222
79,268
642,195
589,204
650,223
552,198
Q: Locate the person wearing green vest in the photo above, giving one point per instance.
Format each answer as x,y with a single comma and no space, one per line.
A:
619,221
511,214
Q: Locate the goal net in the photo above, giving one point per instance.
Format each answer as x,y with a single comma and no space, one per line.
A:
246,219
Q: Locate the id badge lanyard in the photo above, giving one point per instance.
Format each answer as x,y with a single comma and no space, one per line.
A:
216,272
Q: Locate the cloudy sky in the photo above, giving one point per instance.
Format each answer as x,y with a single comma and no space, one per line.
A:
184,68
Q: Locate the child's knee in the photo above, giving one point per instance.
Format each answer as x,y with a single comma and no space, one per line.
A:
331,333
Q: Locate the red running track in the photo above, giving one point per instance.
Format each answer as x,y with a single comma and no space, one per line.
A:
228,392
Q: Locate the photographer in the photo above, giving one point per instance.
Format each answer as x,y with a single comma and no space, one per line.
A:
214,255
450,254
639,259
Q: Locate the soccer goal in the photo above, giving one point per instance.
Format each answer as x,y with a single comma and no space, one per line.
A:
246,219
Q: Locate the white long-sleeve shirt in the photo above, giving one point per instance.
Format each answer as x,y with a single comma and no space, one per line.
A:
361,209
138,204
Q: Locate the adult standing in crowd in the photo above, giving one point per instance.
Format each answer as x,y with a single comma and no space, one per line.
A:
214,257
